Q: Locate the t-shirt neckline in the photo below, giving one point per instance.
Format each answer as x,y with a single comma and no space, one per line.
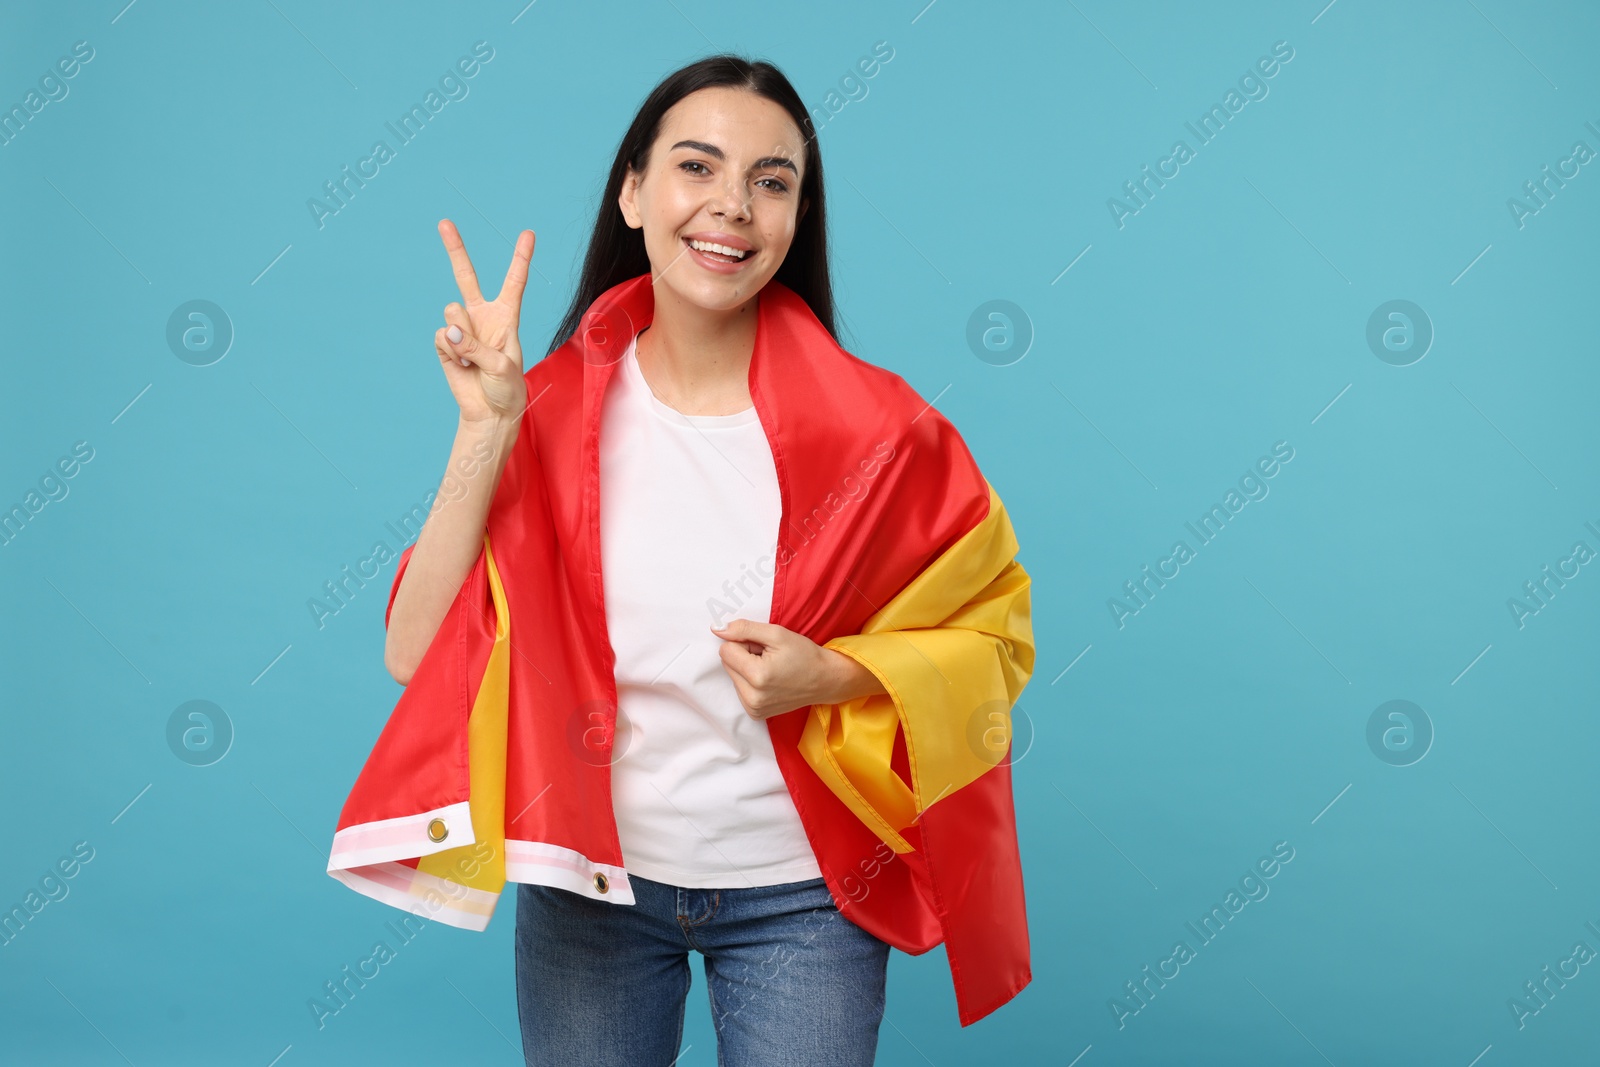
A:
670,414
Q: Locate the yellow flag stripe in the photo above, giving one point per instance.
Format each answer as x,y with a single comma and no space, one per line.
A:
953,649
483,865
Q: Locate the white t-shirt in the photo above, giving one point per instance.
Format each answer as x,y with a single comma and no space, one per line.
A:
689,513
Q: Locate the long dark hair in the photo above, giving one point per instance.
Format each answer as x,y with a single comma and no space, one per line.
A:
616,251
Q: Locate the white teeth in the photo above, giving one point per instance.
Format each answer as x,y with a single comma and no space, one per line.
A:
707,246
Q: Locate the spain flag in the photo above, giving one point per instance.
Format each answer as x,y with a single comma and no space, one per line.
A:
893,549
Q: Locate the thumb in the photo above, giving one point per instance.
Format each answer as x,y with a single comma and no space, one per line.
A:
761,633
744,639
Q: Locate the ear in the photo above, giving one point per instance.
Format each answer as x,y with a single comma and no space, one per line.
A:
803,205
627,200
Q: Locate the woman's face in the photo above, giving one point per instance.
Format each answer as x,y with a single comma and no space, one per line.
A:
725,170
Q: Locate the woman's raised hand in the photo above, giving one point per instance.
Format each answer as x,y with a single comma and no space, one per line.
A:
478,348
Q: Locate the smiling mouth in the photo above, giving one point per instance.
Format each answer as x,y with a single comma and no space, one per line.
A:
720,253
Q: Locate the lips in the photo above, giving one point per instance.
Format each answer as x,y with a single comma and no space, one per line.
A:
714,259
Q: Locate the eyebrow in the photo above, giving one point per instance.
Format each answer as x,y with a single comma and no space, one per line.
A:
715,152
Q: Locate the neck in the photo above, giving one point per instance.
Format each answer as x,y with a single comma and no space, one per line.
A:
697,360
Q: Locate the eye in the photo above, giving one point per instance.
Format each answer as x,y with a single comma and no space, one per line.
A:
686,164
778,185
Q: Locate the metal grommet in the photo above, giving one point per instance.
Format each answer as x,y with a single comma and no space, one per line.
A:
437,831
601,883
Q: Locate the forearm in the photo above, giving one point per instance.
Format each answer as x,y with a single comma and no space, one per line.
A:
842,678
449,543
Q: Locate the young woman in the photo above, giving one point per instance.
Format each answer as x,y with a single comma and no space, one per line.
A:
696,427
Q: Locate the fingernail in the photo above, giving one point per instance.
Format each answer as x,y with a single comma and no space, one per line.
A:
464,362
454,333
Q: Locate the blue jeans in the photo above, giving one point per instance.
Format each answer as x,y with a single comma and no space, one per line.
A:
793,983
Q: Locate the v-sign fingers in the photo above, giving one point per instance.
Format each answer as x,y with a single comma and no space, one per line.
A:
517,274
466,277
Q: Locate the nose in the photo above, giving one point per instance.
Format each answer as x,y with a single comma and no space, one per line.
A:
731,200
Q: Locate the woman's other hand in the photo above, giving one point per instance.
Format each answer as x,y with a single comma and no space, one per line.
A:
776,670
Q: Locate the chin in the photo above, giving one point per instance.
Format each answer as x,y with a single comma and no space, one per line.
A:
715,294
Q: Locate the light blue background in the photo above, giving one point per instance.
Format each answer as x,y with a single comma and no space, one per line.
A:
1230,313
